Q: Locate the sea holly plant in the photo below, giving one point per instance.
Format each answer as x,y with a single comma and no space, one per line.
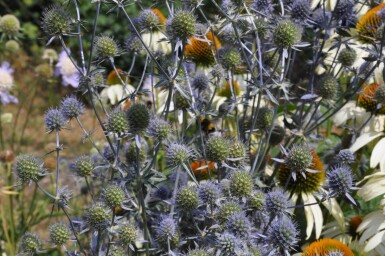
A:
216,127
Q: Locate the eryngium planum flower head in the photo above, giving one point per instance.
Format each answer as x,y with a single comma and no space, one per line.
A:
345,156
239,225
187,199
200,82
176,154
159,128
198,252
30,244
98,216
167,230
71,107
217,149
230,57
276,202
29,168
182,25
117,122
228,244
340,181
283,235
83,166
114,196
347,57
54,120
59,233
241,184
148,19
106,47
228,209
299,158
300,10
133,44
9,25
56,21
138,117
127,234
209,192
286,34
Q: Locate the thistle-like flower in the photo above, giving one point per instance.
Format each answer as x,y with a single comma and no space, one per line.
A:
54,120
106,47
83,166
187,199
176,154
29,168
283,235
56,21
340,182
9,25
209,192
98,216
159,128
277,202
30,243
59,233
71,107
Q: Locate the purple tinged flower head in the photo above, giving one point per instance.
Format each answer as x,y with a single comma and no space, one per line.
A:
6,84
276,202
54,120
177,154
162,192
263,6
229,245
340,182
67,70
345,156
283,235
166,230
239,225
209,192
71,107
183,178
300,10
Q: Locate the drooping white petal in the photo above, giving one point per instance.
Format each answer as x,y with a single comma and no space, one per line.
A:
374,241
336,212
309,216
364,139
318,217
377,153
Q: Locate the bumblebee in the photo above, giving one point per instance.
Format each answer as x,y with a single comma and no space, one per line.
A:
207,125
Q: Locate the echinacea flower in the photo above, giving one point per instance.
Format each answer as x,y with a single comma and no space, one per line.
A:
325,246
6,84
67,70
368,25
201,49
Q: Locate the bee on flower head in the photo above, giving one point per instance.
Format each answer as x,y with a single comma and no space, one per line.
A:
207,125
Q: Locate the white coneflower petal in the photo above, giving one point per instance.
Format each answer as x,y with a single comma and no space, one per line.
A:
374,186
336,211
377,153
375,241
364,139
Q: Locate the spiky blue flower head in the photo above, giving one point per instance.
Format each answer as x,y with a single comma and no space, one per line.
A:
283,235
162,192
183,178
299,158
29,168
239,225
262,6
187,199
321,17
176,154
159,128
340,181
300,10
113,195
59,233
345,156
98,216
106,47
56,21
83,166
71,107
167,230
200,82
54,120
182,25
117,122
108,153
30,243
228,244
276,202
133,44
209,192
343,9
148,19
127,233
